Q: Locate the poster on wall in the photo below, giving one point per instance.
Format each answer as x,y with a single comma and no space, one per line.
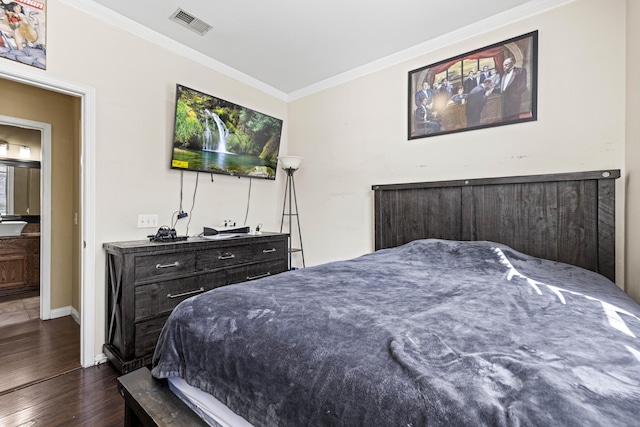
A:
492,86
22,31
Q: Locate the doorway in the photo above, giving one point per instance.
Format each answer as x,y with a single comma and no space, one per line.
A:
85,128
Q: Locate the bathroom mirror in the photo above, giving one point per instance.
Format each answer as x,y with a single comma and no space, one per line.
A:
19,187
20,154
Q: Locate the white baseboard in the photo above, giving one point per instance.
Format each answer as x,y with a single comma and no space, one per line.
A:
66,311
75,315
60,312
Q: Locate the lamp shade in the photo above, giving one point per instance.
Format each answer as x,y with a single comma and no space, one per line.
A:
290,162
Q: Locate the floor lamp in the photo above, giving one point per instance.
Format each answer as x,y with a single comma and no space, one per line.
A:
290,165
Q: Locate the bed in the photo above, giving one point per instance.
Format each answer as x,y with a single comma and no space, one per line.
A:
487,302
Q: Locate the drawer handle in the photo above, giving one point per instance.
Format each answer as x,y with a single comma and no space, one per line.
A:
226,256
258,276
175,264
197,291
268,251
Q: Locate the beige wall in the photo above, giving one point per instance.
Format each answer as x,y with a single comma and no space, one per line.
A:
354,135
61,111
632,154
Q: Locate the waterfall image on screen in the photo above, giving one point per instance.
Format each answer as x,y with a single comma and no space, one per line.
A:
216,136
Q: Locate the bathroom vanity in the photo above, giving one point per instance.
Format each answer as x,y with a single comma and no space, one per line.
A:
20,261
19,226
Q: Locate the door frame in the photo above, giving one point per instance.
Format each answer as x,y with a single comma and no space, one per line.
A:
45,206
21,74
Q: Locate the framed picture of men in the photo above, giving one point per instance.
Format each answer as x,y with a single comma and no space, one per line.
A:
492,86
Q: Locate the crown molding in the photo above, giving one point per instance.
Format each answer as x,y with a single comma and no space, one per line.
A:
516,14
500,20
119,21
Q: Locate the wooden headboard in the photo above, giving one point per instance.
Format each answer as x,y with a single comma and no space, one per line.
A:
565,217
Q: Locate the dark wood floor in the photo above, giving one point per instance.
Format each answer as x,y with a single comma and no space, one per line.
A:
33,350
42,382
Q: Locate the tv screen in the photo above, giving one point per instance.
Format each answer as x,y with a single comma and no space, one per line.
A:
216,136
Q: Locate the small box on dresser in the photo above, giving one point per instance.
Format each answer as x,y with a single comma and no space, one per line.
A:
146,280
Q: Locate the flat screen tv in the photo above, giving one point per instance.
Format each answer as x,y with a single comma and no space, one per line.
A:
216,136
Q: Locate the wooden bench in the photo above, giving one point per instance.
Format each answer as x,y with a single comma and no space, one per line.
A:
150,402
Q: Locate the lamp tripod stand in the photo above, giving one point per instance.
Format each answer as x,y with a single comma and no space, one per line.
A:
291,201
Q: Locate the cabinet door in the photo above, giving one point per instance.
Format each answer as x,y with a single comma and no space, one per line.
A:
13,271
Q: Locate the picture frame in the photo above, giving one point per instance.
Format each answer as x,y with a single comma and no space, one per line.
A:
23,32
452,96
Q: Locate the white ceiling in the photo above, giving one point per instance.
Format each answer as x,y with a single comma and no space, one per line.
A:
290,45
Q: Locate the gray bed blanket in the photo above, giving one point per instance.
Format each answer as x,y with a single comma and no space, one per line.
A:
434,332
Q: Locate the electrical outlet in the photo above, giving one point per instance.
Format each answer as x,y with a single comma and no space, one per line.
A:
147,221
228,223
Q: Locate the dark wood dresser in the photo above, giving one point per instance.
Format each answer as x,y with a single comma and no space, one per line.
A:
146,280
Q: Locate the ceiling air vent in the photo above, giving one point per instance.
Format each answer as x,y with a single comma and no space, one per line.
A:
190,21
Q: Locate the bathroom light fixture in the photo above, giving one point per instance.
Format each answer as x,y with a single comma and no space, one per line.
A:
25,152
4,145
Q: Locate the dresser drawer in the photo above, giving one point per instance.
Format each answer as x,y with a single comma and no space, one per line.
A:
160,298
147,334
267,251
255,271
164,265
224,256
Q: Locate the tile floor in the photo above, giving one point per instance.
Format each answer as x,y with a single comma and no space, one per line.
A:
19,310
